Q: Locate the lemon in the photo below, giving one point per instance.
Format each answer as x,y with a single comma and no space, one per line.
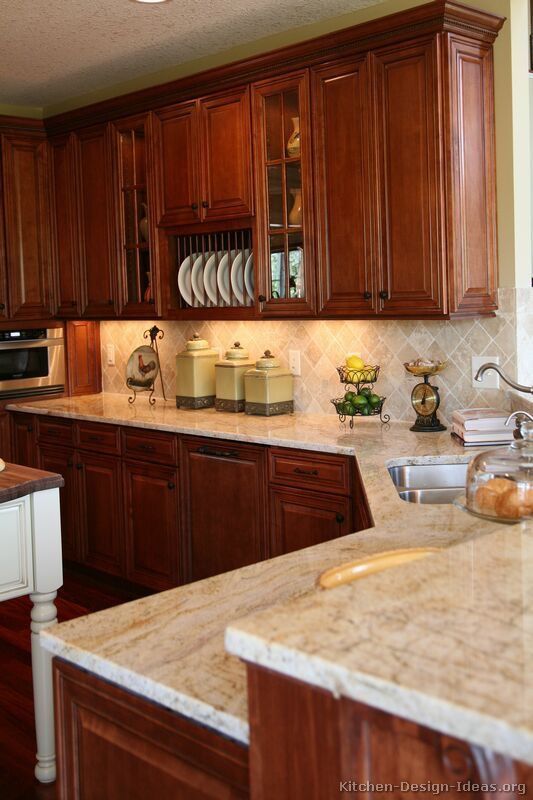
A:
354,362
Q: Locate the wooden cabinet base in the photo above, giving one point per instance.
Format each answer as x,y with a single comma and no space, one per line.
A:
307,745
113,744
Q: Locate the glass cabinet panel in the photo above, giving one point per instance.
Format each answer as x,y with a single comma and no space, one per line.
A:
135,228
283,118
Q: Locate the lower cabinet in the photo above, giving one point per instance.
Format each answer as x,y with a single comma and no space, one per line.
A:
113,744
5,436
101,512
302,519
61,460
224,497
151,509
24,440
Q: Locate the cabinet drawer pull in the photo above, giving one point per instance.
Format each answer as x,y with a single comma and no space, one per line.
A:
205,204
384,294
211,451
171,485
194,206
51,432
339,518
148,448
367,295
300,471
93,437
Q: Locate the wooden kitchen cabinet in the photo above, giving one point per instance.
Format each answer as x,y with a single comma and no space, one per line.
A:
5,435
97,221
61,460
143,750
224,506
152,535
302,519
27,227
101,511
205,160
24,439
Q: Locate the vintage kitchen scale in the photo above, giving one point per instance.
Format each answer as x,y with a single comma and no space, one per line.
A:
425,397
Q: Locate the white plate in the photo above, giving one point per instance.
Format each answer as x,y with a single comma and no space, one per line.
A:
210,276
184,278
223,276
197,277
249,276
237,275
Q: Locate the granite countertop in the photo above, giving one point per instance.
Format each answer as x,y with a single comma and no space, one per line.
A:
17,481
170,647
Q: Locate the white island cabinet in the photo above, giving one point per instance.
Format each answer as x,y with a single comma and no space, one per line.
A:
30,563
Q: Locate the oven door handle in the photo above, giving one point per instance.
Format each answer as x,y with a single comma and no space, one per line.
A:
32,344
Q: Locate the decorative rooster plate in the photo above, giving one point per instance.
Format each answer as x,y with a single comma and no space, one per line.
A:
142,369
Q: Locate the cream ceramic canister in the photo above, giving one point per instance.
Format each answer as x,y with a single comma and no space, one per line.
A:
229,379
268,388
195,374
293,142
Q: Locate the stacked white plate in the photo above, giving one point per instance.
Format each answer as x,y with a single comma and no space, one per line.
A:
217,279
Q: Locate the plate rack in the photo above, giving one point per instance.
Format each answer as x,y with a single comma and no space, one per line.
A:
215,270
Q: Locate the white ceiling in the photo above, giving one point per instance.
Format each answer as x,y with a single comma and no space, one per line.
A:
56,50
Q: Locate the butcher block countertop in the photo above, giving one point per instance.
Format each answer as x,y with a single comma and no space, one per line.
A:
446,641
17,481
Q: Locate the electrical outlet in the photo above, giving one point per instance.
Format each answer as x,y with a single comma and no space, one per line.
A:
491,379
294,362
110,355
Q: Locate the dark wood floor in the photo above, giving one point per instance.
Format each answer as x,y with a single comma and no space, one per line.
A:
81,594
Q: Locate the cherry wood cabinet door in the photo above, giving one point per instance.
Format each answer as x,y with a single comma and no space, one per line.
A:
65,236
152,524
471,178
5,435
409,180
224,500
98,257
24,440
226,161
142,750
101,511
302,519
27,226
176,132
3,265
341,127
61,460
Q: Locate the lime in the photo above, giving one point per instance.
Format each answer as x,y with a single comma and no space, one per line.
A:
366,391
349,396
360,401
366,411
374,400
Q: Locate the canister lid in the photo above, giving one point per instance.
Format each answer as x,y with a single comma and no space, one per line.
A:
197,343
267,361
237,352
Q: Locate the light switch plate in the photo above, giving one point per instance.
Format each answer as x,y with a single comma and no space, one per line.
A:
491,379
110,355
294,362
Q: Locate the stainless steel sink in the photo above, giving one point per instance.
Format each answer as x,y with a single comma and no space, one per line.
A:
429,483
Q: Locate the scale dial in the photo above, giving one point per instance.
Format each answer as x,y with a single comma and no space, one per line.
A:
425,399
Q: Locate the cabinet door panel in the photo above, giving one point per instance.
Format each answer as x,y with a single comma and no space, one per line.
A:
65,235
409,179
224,497
342,175
97,221
178,168
302,519
226,156
61,460
27,232
24,438
152,524
101,511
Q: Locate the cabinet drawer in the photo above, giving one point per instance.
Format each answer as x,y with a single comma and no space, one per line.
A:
159,447
100,437
329,473
55,430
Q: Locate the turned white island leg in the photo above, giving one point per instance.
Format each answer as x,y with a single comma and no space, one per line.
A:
43,614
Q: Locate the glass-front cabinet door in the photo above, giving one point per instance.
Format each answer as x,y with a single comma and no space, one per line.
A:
135,229
284,196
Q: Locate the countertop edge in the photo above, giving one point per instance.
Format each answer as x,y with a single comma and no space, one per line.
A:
28,485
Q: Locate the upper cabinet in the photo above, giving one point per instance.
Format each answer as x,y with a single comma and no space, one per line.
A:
204,157
27,228
284,244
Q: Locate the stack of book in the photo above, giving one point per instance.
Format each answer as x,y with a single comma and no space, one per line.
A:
475,427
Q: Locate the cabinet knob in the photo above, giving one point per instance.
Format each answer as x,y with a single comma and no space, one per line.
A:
109,302
194,206
29,428
339,518
262,298
70,463
384,294
79,466
205,204
2,306
367,295
171,485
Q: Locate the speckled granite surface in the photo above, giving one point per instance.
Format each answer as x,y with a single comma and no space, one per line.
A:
418,648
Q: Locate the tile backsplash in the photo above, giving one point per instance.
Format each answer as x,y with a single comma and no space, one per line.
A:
324,344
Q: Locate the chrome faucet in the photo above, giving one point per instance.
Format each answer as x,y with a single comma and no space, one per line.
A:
516,415
490,365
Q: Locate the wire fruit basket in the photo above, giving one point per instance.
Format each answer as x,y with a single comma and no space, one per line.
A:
359,398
